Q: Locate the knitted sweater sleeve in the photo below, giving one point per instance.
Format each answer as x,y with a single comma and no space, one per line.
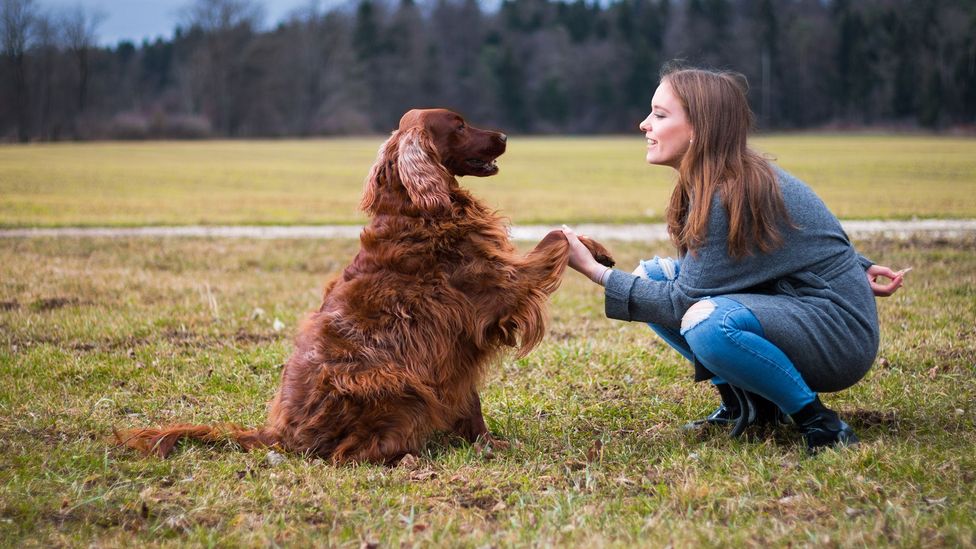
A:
629,297
815,237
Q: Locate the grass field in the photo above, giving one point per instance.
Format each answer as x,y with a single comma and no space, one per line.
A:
104,333
96,334
543,180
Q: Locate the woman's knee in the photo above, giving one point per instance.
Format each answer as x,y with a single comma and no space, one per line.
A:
712,323
697,314
661,269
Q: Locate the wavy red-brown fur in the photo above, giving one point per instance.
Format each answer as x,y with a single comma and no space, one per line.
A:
399,346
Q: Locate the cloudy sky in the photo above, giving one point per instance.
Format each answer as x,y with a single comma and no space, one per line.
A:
138,19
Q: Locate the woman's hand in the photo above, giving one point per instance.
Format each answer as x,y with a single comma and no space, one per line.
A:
885,290
582,260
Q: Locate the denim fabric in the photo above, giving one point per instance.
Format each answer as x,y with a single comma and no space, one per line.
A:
731,343
653,270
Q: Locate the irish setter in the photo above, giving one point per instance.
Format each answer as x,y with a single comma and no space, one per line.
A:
401,341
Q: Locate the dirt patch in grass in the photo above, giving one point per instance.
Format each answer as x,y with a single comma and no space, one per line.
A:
196,340
243,336
179,338
52,303
130,520
872,418
957,356
478,498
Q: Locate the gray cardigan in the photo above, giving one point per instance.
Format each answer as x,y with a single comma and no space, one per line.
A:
811,295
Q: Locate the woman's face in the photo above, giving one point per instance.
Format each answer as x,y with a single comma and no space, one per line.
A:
667,129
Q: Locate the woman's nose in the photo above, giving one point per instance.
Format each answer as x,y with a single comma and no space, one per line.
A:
645,125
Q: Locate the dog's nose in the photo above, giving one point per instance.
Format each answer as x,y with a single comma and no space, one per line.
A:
503,137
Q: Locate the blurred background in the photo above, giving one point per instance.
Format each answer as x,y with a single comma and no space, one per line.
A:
252,68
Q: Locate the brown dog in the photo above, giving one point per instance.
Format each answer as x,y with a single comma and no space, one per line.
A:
400,343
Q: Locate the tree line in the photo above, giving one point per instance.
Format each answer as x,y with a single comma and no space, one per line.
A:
540,66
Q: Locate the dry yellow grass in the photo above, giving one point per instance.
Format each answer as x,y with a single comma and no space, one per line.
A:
543,180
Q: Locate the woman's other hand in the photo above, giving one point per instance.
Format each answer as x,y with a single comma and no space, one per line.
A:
897,278
582,260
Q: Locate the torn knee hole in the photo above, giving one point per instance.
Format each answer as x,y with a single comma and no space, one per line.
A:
696,314
667,267
659,268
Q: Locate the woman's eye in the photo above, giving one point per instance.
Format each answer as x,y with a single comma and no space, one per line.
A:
658,116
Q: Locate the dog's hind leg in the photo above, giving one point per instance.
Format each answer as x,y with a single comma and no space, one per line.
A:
380,448
471,425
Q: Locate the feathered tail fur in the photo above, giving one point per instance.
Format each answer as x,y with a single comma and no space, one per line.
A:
162,440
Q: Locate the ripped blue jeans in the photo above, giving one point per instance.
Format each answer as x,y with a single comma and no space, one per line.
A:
728,340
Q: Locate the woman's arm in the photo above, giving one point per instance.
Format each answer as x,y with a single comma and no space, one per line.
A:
628,297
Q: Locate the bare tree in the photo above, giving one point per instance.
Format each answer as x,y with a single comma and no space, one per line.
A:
46,56
304,67
16,24
221,15
80,28
228,26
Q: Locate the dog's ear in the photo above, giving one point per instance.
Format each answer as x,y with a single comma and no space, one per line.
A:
423,176
381,173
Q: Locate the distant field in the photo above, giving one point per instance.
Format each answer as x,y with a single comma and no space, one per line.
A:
543,180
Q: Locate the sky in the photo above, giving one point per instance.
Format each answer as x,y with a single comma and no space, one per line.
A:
138,19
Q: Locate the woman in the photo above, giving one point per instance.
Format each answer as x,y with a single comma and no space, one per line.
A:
769,298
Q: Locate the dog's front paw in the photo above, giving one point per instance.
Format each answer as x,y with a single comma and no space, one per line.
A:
488,444
604,259
599,251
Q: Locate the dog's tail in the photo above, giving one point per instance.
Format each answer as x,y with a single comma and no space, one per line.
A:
161,440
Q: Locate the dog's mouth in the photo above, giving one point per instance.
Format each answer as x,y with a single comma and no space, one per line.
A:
480,166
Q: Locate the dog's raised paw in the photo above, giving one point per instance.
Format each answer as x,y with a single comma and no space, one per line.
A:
604,260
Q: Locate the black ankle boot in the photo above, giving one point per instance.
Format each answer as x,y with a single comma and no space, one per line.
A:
767,412
822,428
726,413
756,410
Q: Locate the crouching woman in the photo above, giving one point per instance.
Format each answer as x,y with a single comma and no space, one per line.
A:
767,297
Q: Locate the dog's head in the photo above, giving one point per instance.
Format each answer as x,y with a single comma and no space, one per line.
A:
461,148
425,153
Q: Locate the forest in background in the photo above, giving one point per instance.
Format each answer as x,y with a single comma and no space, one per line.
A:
530,66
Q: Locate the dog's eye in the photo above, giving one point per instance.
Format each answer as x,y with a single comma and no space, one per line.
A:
460,128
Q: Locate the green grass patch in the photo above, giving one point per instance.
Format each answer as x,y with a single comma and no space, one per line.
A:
103,333
543,180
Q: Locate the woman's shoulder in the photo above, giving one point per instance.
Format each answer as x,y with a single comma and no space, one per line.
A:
802,202
791,187
784,177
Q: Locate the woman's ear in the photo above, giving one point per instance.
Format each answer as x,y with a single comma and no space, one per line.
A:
423,176
380,173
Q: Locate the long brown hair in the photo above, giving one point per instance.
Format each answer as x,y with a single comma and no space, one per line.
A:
718,159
